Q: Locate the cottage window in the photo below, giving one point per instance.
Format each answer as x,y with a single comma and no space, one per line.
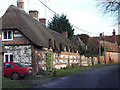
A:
8,57
7,35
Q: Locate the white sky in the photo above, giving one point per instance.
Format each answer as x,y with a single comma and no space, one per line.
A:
81,13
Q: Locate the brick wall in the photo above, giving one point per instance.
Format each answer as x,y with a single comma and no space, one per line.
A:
90,61
84,61
61,60
101,59
65,59
112,57
18,38
95,60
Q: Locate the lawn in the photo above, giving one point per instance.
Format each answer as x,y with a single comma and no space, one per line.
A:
7,83
65,72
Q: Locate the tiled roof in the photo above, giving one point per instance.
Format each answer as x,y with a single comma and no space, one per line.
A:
94,42
110,47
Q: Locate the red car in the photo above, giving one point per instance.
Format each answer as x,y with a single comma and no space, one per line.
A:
16,71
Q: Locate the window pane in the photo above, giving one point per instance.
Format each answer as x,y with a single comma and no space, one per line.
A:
6,58
9,34
5,34
11,58
8,66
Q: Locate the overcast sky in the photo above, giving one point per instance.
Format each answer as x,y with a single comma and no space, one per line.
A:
81,13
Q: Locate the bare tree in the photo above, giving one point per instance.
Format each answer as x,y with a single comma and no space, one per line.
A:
110,7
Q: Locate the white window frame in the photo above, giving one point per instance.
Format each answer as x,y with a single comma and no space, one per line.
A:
7,35
8,56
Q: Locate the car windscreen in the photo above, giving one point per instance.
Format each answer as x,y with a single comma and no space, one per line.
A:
18,64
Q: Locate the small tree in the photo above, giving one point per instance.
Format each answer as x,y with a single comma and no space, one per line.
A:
49,61
111,7
84,38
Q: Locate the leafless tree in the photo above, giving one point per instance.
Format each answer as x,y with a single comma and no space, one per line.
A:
110,7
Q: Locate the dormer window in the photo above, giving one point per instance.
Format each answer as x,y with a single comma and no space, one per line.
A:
7,35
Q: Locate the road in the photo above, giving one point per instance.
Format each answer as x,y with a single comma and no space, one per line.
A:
104,77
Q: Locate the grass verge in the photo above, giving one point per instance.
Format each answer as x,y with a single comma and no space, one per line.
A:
64,72
7,83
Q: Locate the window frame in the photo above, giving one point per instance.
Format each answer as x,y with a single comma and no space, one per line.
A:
7,35
8,56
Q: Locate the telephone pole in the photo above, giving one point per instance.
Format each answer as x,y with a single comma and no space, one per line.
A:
104,47
45,10
99,51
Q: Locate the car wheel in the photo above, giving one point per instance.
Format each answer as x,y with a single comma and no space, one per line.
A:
15,76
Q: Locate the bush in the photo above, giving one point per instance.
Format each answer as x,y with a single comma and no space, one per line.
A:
42,72
75,65
63,67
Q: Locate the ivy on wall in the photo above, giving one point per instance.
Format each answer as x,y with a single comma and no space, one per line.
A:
49,61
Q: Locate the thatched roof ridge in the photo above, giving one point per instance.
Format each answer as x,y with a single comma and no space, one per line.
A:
15,18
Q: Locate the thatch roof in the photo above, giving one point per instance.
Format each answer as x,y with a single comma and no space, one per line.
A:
76,39
15,18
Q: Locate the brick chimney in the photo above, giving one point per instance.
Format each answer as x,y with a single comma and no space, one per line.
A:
20,4
43,21
101,36
65,33
114,36
114,33
34,14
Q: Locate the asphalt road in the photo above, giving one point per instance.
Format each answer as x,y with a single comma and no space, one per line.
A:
104,77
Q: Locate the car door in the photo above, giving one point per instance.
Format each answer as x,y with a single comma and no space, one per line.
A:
8,69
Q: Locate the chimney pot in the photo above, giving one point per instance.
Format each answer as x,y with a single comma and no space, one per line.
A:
114,32
34,14
114,36
43,21
100,34
65,33
20,4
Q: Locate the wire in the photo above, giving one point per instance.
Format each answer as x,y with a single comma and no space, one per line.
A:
73,25
84,30
28,5
48,7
